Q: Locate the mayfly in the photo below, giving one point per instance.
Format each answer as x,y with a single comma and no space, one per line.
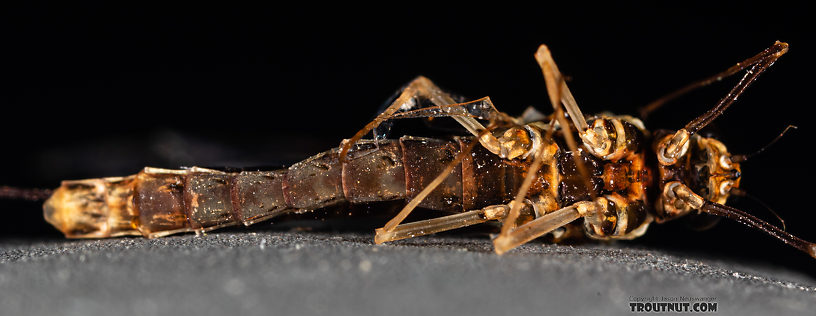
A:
605,176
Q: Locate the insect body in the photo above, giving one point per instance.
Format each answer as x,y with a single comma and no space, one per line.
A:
529,173
158,202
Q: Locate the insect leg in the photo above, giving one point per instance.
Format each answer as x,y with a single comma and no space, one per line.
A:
440,224
545,154
465,114
596,138
557,88
559,94
656,104
541,226
389,227
678,194
672,148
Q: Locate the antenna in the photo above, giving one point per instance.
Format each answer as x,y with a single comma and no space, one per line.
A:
741,158
741,193
754,222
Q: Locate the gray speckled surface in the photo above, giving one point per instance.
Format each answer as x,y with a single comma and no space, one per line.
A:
345,274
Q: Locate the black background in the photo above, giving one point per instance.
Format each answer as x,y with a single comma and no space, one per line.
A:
93,91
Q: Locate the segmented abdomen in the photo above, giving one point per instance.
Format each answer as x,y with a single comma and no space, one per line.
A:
158,202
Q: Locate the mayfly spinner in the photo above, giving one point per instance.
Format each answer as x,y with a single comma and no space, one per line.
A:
562,174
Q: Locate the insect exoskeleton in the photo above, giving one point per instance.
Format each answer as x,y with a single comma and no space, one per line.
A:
534,174
93,208
703,171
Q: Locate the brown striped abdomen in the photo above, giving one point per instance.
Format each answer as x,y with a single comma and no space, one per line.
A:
158,202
